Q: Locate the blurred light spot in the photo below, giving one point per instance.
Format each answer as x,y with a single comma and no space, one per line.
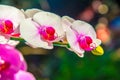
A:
115,24
115,56
103,33
86,15
103,9
96,4
103,20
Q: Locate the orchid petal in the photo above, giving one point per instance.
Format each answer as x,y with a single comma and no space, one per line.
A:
11,13
72,40
97,42
12,42
30,12
49,19
84,28
13,58
23,75
66,21
3,40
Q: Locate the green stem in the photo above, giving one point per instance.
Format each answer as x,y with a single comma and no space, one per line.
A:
61,44
17,39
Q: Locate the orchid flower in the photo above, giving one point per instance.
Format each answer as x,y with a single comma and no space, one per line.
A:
80,35
42,29
10,18
12,64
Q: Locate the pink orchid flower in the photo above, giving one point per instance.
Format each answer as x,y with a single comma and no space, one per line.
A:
42,29
12,64
80,35
10,18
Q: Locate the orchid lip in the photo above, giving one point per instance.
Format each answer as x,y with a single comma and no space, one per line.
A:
86,42
4,65
47,33
6,26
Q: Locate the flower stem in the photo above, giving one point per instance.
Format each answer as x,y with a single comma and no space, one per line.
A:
61,44
17,39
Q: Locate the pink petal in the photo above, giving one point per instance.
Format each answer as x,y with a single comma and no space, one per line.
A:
23,75
11,55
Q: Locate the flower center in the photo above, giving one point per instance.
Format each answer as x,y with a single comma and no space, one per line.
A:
86,43
6,26
47,33
4,65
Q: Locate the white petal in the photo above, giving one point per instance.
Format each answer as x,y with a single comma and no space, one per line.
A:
30,33
72,40
97,42
11,13
49,19
68,19
13,42
31,12
78,53
84,28
66,22
3,40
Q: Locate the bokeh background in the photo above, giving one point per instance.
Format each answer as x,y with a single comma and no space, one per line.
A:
62,64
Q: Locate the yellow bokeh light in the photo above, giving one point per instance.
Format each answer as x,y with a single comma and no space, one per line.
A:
103,9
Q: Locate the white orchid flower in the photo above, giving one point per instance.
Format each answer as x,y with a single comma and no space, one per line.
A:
10,18
42,29
80,35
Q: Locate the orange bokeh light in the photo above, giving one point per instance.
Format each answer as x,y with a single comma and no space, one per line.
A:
103,33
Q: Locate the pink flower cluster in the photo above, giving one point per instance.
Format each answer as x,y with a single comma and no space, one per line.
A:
12,64
40,29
